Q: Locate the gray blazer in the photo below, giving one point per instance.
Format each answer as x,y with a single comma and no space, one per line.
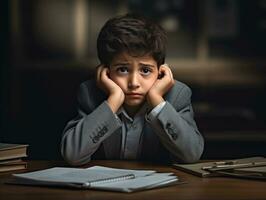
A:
96,133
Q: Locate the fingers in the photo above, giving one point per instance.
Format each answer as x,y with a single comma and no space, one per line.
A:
102,72
99,71
102,76
166,71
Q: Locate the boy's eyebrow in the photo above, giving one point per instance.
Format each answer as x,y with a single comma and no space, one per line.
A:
120,63
147,64
126,63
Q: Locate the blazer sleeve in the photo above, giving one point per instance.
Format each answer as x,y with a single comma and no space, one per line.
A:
177,130
83,135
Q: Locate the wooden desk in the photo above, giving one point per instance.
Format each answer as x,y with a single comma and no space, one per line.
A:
196,188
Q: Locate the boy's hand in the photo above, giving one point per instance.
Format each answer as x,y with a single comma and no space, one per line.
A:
116,95
161,86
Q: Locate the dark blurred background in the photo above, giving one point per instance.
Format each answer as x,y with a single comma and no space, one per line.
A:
217,47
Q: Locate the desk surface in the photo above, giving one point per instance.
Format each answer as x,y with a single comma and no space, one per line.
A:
196,188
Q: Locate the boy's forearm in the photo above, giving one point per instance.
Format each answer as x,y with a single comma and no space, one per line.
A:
83,137
179,136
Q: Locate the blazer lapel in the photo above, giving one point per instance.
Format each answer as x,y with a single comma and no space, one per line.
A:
150,143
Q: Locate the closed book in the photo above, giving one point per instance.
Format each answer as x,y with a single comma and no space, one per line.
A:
259,171
11,161
220,168
12,165
11,151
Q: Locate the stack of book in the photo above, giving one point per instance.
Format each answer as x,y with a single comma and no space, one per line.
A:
11,157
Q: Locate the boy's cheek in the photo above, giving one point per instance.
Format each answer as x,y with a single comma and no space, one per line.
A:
111,75
119,83
114,78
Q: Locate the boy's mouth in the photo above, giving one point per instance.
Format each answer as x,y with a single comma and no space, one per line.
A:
134,94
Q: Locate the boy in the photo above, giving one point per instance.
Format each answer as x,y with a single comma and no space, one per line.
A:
135,109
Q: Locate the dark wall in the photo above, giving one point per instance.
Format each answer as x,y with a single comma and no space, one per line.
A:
40,79
40,105
4,70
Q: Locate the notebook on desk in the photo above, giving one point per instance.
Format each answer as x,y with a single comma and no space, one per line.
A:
97,177
223,167
259,171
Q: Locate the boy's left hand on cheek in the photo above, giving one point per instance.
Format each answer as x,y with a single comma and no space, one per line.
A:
161,86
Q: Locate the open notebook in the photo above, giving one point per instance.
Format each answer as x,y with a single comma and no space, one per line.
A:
97,177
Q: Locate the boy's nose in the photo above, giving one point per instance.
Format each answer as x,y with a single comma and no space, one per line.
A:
133,82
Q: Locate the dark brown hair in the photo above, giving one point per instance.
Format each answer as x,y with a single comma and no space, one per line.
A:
134,34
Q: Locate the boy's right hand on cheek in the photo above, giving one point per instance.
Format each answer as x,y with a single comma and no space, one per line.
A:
116,95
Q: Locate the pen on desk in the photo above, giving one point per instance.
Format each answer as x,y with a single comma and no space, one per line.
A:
220,164
230,162
233,166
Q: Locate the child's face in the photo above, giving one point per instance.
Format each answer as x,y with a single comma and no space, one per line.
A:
135,76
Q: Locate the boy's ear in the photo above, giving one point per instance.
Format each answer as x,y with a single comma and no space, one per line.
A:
161,74
108,71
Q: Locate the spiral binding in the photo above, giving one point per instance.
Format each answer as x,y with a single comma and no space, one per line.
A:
108,180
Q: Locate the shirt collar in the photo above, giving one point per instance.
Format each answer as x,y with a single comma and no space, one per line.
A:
142,111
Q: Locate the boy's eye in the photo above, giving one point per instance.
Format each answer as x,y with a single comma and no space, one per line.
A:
122,70
146,71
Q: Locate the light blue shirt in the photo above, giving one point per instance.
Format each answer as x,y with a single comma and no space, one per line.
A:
132,129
